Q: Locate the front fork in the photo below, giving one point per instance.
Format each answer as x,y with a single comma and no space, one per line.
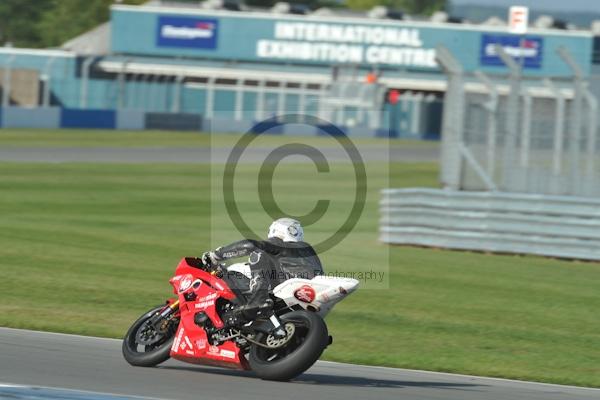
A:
159,321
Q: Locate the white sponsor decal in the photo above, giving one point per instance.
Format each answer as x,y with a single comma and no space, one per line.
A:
228,353
177,340
206,301
530,49
189,343
204,304
213,349
208,297
185,284
185,32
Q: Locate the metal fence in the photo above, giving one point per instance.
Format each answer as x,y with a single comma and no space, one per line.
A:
519,134
520,168
559,226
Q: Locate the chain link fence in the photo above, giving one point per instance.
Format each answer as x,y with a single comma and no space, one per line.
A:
519,134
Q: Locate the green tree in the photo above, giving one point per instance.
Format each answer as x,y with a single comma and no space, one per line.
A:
69,18
409,6
49,23
19,21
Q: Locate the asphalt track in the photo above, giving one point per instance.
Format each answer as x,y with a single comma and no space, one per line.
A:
96,364
202,155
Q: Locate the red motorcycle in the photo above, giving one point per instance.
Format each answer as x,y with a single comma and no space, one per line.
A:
191,327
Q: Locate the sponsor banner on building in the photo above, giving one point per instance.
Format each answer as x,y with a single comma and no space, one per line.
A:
199,33
526,50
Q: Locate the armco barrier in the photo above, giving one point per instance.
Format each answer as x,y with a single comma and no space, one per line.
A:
176,122
226,125
78,118
19,117
556,226
131,120
128,119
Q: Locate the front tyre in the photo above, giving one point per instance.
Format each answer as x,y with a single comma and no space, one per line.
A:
144,346
300,352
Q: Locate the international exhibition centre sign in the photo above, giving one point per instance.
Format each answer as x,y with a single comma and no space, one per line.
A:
262,37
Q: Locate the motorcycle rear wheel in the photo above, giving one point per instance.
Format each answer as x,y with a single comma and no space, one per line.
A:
304,348
150,355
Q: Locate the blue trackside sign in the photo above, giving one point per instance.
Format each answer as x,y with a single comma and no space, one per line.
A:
199,33
527,50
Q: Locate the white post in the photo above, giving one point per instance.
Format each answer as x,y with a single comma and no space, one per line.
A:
47,81
302,101
558,128
591,132
85,77
7,80
239,99
260,100
176,106
210,98
281,99
526,129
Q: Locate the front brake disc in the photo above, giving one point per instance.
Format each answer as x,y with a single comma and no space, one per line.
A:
147,335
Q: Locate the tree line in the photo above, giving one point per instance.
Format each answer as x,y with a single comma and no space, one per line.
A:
49,23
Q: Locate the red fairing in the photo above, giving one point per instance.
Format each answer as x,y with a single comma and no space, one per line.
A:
191,342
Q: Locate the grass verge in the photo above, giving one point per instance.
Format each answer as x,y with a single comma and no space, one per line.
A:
86,248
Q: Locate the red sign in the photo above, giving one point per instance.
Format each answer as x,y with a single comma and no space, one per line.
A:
393,96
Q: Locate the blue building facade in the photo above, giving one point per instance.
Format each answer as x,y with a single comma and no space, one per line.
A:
244,66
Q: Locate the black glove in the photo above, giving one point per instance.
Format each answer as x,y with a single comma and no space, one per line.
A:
209,259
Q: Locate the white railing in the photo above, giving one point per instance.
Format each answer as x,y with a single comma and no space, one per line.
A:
557,226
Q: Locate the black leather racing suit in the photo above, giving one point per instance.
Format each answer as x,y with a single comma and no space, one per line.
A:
271,261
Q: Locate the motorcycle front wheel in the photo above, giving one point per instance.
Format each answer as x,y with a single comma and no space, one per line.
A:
143,346
307,338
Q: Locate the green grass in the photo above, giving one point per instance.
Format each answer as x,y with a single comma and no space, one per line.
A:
86,248
113,138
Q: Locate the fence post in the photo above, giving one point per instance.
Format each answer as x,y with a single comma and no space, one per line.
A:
591,133
302,101
7,80
558,133
47,81
176,106
576,116
156,95
210,98
281,98
453,120
512,116
147,95
239,99
85,77
492,108
121,77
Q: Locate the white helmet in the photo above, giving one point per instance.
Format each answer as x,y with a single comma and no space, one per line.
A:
286,229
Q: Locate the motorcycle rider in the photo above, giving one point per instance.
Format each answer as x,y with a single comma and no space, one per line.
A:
282,256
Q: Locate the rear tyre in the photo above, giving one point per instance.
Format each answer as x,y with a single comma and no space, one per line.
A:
309,339
156,346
